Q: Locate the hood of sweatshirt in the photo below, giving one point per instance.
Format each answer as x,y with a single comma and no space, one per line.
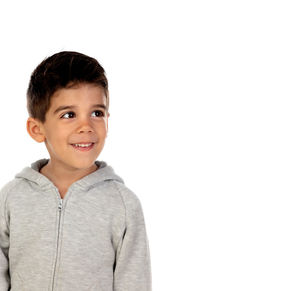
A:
103,173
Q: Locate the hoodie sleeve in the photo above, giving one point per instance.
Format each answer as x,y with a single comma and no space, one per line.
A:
132,270
4,245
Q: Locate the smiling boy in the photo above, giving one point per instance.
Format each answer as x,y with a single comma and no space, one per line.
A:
72,151
69,222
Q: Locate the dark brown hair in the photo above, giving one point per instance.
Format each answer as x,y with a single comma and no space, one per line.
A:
62,70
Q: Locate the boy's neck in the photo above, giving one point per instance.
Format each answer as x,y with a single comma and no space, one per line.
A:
62,178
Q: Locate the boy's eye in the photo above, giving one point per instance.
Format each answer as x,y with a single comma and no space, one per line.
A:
68,113
99,113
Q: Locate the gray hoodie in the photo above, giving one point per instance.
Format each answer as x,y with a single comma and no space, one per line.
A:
92,240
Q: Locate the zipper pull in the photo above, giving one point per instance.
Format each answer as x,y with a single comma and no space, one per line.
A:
60,204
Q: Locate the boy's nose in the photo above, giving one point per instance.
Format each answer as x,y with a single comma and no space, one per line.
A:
85,126
86,130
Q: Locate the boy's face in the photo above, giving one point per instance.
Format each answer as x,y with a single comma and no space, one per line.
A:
84,122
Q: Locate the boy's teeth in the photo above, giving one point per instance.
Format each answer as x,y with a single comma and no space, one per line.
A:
83,145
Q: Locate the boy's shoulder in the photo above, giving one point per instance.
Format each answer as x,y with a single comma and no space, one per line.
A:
5,190
106,177
130,200
8,187
126,193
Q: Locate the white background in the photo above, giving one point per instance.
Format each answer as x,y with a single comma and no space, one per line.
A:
204,125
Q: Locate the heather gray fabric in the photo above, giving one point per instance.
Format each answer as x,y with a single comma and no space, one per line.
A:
96,242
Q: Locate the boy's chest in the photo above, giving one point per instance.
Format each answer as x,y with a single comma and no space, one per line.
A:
80,234
77,221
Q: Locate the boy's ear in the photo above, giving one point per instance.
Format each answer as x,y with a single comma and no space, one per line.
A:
35,129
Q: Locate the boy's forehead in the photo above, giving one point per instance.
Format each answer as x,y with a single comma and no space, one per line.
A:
86,93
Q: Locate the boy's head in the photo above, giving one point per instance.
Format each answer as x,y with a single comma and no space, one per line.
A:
62,70
67,102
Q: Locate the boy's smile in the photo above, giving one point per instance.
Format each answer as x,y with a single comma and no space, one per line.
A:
74,131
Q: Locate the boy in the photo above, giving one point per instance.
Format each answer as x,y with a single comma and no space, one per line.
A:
69,223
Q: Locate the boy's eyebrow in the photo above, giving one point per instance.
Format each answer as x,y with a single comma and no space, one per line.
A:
63,107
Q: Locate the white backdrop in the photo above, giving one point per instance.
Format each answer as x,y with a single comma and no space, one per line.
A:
204,125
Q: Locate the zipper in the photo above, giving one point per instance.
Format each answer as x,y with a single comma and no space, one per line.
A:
60,204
